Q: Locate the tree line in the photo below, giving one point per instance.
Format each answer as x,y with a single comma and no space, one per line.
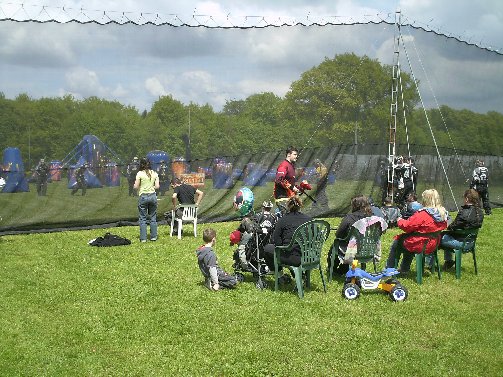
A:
330,104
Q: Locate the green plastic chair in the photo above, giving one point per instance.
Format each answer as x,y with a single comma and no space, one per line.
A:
468,246
366,244
420,256
310,238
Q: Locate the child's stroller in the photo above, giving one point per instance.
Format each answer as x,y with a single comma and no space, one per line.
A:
263,228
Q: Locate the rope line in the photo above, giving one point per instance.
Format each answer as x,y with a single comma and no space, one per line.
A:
437,105
336,101
61,14
428,121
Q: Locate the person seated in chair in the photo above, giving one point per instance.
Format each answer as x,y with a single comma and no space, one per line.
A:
411,206
470,216
360,208
391,212
282,235
431,218
183,194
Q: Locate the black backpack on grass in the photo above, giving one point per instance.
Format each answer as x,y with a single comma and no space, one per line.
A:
109,240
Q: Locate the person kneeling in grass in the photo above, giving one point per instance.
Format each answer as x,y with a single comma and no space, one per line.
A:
215,277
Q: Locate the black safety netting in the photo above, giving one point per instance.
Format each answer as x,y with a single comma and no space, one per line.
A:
351,170
218,106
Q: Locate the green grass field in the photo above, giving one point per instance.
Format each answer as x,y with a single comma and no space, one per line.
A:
69,309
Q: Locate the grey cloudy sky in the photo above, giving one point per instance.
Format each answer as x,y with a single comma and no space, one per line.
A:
137,64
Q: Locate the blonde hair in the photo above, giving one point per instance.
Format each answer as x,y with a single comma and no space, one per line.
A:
431,199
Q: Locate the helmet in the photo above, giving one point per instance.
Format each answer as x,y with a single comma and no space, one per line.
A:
243,201
235,237
135,158
267,204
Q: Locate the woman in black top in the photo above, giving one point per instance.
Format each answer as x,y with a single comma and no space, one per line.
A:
283,232
470,216
360,208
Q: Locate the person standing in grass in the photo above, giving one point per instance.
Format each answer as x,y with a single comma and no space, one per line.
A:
284,182
321,193
147,181
42,174
214,277
431,218
480,178
470,216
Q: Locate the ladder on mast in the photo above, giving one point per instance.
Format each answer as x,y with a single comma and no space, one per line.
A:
394,109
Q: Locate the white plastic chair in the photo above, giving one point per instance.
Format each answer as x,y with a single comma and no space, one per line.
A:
189,215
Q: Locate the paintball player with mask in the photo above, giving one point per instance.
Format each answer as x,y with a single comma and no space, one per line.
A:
479,183
80,179
42,171
131,171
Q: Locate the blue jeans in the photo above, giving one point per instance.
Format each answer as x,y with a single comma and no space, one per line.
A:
449,243
147,207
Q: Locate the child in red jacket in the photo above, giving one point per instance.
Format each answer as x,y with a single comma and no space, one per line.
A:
431,218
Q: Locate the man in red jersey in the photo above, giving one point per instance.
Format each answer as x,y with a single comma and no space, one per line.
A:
284,183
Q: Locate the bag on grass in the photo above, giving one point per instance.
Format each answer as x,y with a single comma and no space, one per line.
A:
109,240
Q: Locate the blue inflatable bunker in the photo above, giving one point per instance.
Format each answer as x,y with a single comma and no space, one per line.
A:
102,168
14,171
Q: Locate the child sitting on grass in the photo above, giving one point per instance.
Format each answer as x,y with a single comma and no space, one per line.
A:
215,277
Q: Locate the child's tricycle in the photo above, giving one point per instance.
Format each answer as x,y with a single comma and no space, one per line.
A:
358,279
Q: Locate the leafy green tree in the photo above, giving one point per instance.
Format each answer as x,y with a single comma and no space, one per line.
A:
343,94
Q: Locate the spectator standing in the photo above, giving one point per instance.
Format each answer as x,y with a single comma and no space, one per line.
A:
147,181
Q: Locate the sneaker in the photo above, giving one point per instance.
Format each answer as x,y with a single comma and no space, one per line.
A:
207,283
153,239
143,240
448,265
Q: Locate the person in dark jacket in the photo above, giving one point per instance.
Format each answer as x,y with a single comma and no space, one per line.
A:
42,174
282,235
480,178
411,206
80,180
131,171
360,208
470,216
390,211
